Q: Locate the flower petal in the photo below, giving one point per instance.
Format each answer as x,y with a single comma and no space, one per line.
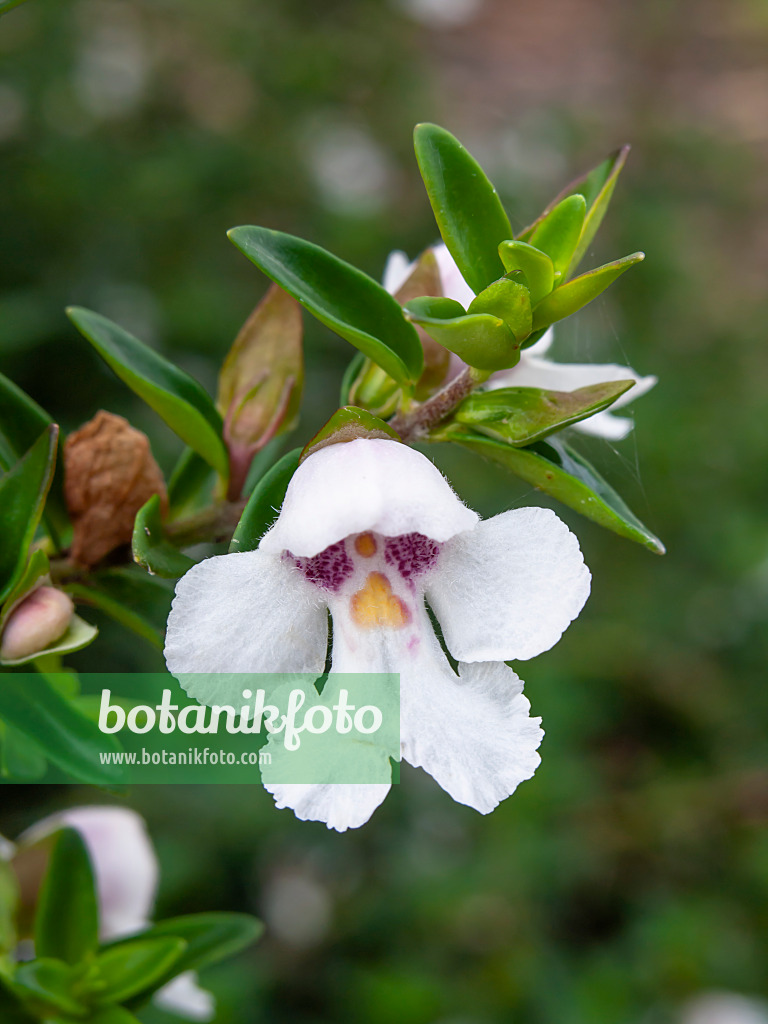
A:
242,613
510,587
340,805
183,996
124,863
454,285
367,484
397,271
534,372
472,733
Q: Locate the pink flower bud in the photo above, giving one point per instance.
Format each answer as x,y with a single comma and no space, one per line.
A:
42,617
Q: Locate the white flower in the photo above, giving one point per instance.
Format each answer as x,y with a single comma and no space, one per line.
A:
724,1008
370,529
126,873
534,371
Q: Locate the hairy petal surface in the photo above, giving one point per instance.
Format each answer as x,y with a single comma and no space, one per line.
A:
473,732
340,805
368,484
242,613
510,587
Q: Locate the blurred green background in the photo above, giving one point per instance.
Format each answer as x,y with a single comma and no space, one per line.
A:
631,872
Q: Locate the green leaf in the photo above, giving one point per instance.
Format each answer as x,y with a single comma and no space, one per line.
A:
352,372
466,206
480,339
23,760
11,1009
556,469
78,635
209,938
67,919
597,189
343,298
23,490
571,297
349,424
47,984
150,548
536,265
136,600
558,233
8,5
521,416
69,739
508,299
127,970
35,571
191,484
264,503
173,394
9,900
113,1015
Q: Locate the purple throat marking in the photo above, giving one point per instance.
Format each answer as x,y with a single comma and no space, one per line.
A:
411,554
329,569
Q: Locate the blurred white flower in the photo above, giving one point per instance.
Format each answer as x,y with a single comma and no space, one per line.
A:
534,370
352,171
724,1008
441,13
126,872
369,529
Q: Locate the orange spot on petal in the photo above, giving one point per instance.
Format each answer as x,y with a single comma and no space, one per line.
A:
376,607
365,545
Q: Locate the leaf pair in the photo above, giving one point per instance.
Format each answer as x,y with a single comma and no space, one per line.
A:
75,978
478,235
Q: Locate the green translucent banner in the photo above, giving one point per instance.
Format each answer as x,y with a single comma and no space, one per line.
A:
120,729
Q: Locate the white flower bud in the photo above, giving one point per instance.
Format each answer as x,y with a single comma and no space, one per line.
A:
40,619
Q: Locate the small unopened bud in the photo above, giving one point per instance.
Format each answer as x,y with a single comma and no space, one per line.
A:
261,381
36,622
109,473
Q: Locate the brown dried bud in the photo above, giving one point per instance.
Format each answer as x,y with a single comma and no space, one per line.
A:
109,473
36,622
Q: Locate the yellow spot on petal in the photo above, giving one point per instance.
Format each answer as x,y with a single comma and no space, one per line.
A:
376,607
365,545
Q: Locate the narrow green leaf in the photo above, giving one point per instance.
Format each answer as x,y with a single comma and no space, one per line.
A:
113,1015
67,919
191,484
127,970
23,490
36,570
264,503
69,739
572,296
558,233
355,367
343,298
466,206
509,299
480,339
521,416
47,984
597,189
8,5
209,938
150,548
136,621
536,265
174,395
22,761
556,469
11,1009
9,900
